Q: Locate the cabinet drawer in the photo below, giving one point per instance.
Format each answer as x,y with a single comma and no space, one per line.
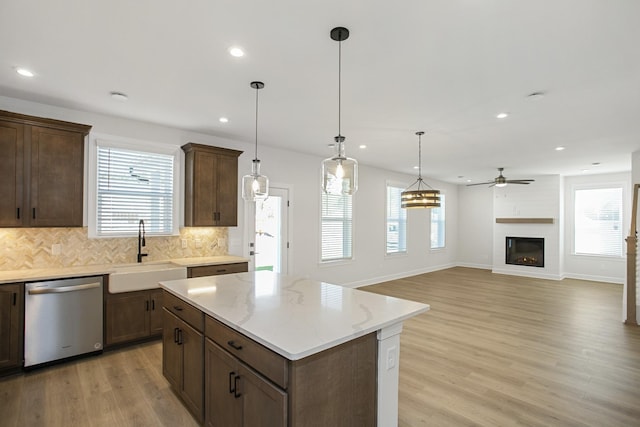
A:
215,270
260,358
183,310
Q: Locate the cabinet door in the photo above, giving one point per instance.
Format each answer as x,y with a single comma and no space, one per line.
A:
204,189
127,317
11,174
10,325
222,406
227,188
263,404
171,351
57,165
155,312
192,342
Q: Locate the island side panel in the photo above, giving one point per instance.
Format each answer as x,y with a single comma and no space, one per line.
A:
388,374
336,387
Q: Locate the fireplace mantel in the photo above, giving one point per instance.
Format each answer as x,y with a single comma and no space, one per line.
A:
524,220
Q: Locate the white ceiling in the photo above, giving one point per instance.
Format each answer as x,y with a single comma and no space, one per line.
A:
443,66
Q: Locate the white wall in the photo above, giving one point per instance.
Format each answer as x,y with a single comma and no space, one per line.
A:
301,173
475,226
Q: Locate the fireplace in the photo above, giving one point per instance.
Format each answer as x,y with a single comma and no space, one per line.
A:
528,251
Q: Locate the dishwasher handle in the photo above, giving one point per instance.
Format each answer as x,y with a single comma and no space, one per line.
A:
63,289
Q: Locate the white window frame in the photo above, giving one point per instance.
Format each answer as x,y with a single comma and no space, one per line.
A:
624,207
443,206
386,220
132,145
344,259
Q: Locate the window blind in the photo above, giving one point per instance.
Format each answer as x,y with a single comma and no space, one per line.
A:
396,221
598,221
337,229
131,186
438,225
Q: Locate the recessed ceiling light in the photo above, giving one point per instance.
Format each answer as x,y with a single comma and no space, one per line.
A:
502,115
223,120
119,96
468,180
560,148
585,170
236,51
416,167
24,72
363,146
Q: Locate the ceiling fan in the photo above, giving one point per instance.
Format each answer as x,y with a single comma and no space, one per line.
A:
502,181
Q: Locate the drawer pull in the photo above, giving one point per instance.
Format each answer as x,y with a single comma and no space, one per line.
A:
180,337
221,270
177,308
236,393
234,345
175,335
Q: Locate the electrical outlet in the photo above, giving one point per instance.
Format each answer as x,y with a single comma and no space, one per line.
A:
221,242
184,243
198,243
392,357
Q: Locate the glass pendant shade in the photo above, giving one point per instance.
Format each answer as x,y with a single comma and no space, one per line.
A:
339,173
255,186
423,196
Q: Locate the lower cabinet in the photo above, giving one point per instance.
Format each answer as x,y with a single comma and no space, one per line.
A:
131,316
11,325
182,359
238,396
217,269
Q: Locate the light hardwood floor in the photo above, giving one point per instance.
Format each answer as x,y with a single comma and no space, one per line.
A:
493,351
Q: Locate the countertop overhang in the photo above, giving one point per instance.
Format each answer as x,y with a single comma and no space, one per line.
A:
293,316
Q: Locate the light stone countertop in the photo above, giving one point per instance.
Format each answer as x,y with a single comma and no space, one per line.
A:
30,275
295,317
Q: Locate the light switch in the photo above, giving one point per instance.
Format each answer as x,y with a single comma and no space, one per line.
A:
184,243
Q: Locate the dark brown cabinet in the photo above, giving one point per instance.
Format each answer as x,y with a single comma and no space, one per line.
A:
211,186
41,171
11,325
182,353
131,316
238,396
218,269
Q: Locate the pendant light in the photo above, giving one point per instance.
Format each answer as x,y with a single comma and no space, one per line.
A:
423,196
255,186
339,173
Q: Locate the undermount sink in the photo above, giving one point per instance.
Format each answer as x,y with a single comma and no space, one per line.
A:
139,277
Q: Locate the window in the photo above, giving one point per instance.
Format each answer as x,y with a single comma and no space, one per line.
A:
438,225
598,221
396,221
134,185
337,229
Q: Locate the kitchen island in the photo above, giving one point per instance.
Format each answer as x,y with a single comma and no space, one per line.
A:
283,348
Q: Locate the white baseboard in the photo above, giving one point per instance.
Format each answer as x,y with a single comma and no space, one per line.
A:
607,279
471,265
533,274
380,279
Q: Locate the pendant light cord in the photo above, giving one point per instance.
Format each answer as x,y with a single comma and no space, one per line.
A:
339,85
257,90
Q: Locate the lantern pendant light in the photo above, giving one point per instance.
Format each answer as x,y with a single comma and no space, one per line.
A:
339,173
423,196
255,186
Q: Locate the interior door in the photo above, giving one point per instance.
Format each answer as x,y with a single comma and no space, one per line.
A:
268,232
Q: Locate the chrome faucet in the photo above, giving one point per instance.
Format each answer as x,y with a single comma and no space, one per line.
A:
141,240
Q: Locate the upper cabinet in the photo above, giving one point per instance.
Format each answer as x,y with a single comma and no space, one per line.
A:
211,186
41,171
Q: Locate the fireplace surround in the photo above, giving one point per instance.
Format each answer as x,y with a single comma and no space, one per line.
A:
527,251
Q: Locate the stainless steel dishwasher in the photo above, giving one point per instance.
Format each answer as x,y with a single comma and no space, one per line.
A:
63,318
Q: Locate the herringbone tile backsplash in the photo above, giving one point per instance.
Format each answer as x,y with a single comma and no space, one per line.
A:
23,248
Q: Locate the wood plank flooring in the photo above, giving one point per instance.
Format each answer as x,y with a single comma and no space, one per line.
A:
493,351
498,350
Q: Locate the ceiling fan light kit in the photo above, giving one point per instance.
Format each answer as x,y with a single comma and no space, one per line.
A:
339,173
423,196
501,181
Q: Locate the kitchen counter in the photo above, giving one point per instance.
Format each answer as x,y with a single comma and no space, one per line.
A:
12,276
298,318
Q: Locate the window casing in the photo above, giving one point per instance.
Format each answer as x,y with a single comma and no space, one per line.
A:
337,227
131,183
598,221
396,221
438,225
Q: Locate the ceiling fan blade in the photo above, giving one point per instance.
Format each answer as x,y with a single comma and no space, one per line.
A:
480,183
520,181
